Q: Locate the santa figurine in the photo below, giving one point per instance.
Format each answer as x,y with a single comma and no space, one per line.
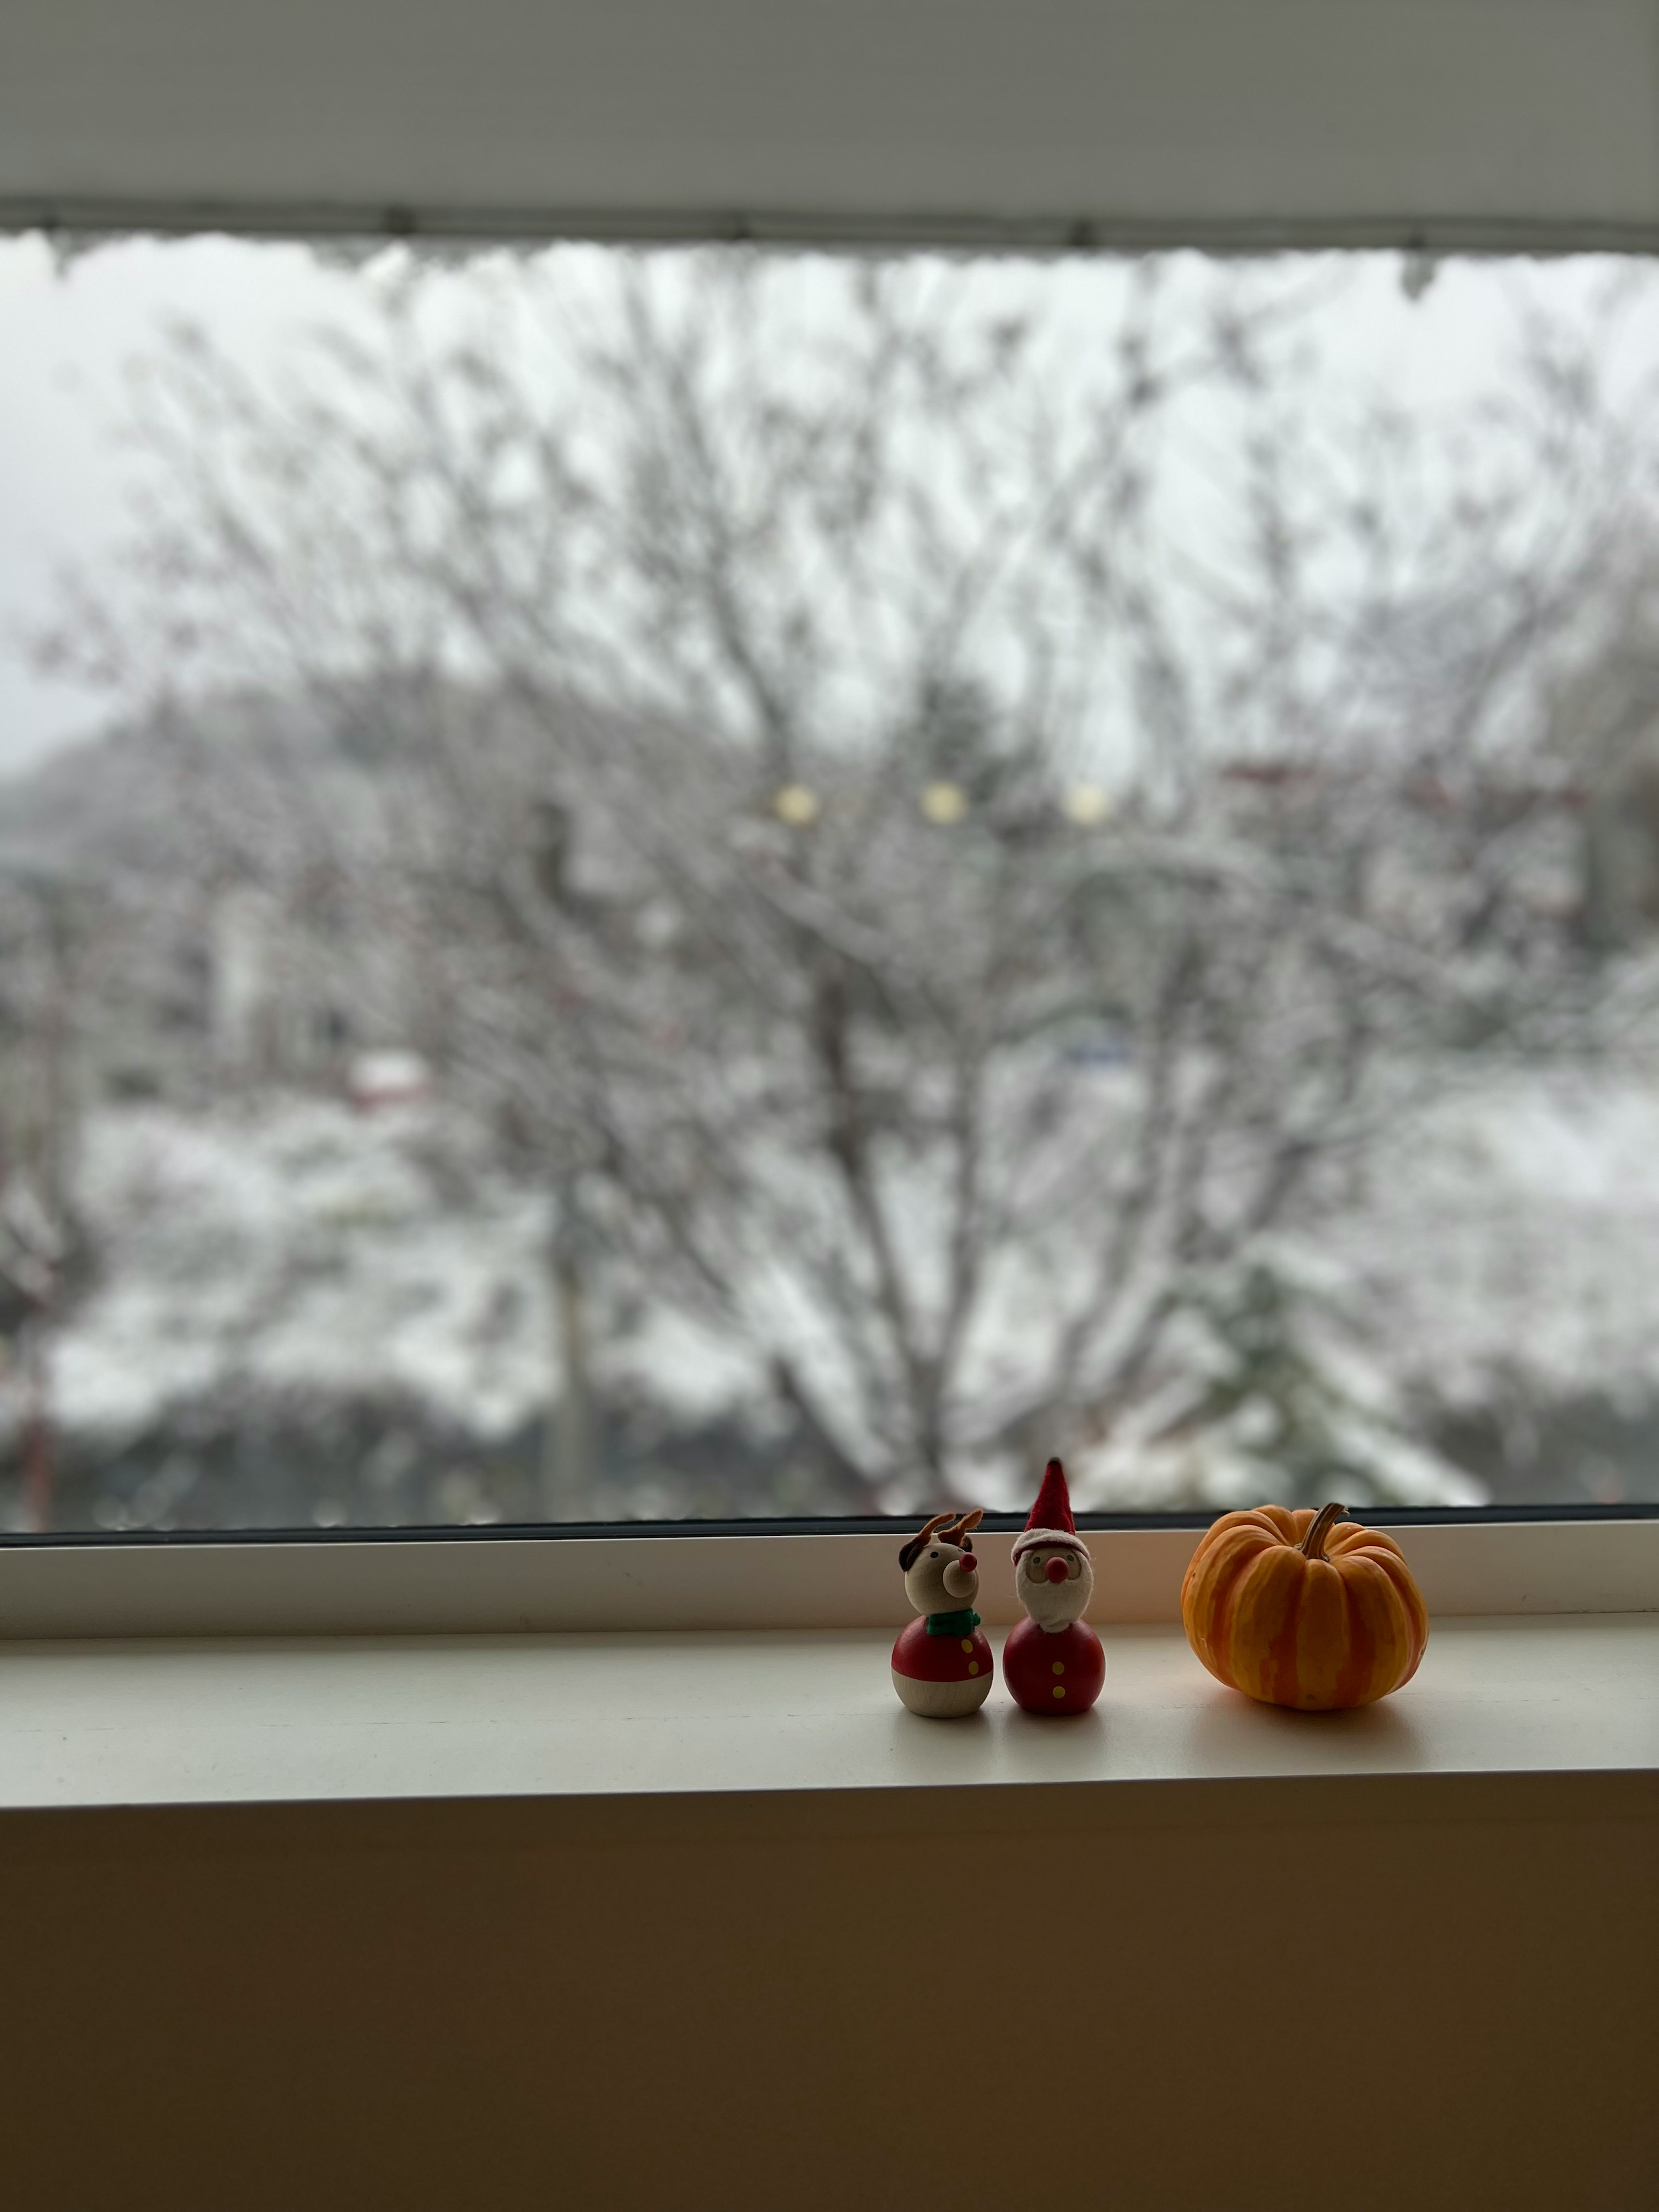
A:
1053,1662
942,1663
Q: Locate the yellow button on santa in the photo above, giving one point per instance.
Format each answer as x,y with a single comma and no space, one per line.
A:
1053,1662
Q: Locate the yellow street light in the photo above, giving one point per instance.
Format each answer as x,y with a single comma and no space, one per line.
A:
944,804
1088,804
797,803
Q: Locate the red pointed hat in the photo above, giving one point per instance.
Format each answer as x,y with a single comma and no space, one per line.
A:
1050,1523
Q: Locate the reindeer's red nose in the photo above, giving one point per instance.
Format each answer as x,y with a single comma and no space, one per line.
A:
1055,1570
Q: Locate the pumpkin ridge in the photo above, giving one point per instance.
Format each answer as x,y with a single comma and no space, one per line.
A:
1407,1601
1281,1626
1399,1605
1227,1587
1285,1684
1288,1524
1358,1669
1212,1587
1319,1633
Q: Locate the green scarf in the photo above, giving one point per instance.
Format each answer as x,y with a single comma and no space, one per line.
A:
952,1623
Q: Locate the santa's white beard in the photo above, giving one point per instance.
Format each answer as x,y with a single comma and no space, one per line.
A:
1055,1605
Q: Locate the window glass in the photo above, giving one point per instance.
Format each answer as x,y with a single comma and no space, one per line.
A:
714,883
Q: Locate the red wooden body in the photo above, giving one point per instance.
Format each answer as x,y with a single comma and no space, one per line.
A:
1057,1670
927,1658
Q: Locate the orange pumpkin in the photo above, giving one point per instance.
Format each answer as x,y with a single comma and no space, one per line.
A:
1290,1608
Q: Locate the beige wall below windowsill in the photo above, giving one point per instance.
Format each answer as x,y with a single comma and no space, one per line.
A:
706,1922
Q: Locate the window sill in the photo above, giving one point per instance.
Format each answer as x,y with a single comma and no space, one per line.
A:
315,1720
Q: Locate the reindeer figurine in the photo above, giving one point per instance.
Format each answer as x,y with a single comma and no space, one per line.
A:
942,1664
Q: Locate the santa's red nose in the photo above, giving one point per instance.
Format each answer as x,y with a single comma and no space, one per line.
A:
1055,1570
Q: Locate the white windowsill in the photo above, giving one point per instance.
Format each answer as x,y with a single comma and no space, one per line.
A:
312,1719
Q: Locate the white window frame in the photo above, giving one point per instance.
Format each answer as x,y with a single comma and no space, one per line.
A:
563,1582
432,1582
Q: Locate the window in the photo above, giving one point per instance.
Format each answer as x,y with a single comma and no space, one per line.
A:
639,884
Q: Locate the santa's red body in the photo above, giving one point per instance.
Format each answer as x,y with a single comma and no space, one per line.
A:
1053,1670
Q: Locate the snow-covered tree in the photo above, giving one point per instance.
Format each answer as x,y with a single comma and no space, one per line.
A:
1267,1389
929,824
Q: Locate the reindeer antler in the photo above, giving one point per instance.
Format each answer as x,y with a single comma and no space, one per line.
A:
911,1552
965,1528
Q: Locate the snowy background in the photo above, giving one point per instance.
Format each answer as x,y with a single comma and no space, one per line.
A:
693,885
299,1254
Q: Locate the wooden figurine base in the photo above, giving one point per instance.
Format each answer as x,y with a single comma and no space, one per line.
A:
1054,1671
942,1677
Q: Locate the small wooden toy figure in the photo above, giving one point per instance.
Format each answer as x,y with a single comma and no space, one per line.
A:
942,1664
1053,1662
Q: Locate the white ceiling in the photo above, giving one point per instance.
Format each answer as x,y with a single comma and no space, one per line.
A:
1461,122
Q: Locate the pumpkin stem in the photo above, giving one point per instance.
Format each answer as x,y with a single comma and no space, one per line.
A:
1313,1544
